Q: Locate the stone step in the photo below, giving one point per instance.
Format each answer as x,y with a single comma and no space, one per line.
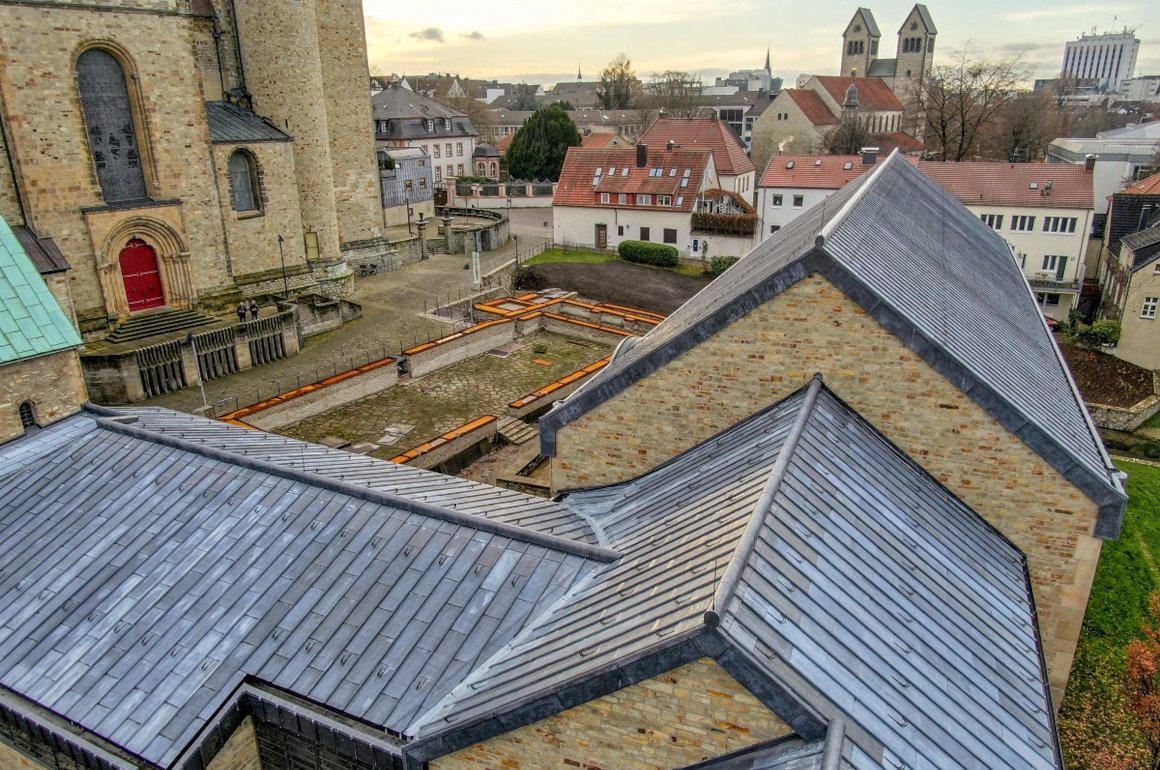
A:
157,322
515,431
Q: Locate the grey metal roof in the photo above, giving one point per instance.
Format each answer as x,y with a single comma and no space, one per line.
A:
924,14
805,546
143,576
470,497
229,123
785,754
43,251
932,273
1141,243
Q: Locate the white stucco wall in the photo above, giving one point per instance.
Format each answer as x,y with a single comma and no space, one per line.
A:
576,226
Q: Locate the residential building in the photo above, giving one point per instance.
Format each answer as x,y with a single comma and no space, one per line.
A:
404,118
40,373
407,181
793,184
1131,284
1109,59
1043,211
914,54
581,94
1118,157
382,616
176,161
914,313
648,194
626,123
735,171
1131,210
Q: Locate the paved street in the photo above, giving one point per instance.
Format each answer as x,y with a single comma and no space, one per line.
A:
393,318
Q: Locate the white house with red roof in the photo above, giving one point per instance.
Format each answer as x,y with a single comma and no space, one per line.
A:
661,195
735,171
1043,210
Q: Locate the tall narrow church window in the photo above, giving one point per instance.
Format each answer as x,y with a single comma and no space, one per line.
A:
109,121
244,181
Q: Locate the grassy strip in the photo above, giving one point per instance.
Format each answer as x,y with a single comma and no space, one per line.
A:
1095,728
559,255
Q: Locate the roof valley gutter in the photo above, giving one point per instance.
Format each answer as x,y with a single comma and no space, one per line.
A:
728,585
554,542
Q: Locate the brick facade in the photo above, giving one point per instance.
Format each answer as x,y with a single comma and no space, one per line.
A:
52,383
814,327
688,714
240,752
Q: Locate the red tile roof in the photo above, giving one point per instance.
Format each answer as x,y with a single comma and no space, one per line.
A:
812,105
598,139
505,142
873,93
823,172
580,186
728,153
898,140
1060,185
1149,186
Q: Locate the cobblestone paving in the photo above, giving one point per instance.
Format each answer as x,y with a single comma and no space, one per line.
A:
393,318
453,396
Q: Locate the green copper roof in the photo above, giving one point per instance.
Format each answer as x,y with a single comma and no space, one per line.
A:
31,321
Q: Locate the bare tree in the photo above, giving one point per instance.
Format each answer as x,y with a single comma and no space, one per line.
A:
619,86
676,93
1022,129
849,137
960,101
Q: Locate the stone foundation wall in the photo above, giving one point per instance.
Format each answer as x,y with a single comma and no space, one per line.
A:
691,713
324,399
1129,419
52,383
383,254
452,352
814,327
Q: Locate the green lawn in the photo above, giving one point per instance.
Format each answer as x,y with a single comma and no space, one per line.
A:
559,255
1154,422
1094,727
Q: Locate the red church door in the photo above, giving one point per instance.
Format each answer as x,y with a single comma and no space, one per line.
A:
142,276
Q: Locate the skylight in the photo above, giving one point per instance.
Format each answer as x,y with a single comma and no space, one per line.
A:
789,164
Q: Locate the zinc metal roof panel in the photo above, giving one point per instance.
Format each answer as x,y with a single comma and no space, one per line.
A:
230,124
184,565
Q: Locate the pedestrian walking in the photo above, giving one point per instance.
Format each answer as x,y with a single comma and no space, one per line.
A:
253,310
242,312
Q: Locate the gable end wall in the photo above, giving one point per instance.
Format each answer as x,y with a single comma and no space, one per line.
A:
814,327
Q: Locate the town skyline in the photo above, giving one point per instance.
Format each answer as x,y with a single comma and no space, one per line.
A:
500,41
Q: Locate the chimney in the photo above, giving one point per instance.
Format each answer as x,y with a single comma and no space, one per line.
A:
641,155
670,146
1089,163
869,156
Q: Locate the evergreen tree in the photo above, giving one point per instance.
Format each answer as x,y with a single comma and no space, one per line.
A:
538,148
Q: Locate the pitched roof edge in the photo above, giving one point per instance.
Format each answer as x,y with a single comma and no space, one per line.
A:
866,181
728,585
99,752
121,424
1050,709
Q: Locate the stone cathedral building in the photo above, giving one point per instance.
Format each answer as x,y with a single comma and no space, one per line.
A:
176,152
912,59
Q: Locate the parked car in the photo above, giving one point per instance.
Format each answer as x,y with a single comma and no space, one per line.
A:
1051,323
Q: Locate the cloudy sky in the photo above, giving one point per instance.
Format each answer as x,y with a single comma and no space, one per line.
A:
543,41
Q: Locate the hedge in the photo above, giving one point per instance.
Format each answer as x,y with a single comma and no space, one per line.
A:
646,253
718,265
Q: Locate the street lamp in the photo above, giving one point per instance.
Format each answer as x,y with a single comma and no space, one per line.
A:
285,280
407,200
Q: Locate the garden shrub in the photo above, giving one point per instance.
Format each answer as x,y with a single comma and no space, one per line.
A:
645,253
1099,333
718,265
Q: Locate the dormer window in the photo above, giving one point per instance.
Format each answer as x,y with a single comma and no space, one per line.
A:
446,124
428,125
624,171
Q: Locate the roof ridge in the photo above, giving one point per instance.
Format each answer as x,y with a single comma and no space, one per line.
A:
866,181
123,425
728,585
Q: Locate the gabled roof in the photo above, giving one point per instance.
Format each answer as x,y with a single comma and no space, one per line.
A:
924,14
145,575
873,93
868,20
600,139
812,105
931,272
1061,185
1144,245
797,546
822,172
405,112
581,185
1148,186
31,321
728,153
229,123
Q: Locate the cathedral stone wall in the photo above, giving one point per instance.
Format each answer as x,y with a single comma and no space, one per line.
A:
52,383
813,327
691,713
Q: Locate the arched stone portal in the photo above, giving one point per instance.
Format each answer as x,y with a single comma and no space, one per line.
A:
142,276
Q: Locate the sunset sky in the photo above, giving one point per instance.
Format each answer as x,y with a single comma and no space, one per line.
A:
543,41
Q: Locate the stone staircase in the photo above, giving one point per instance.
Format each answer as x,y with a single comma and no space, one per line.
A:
157,322
515,431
